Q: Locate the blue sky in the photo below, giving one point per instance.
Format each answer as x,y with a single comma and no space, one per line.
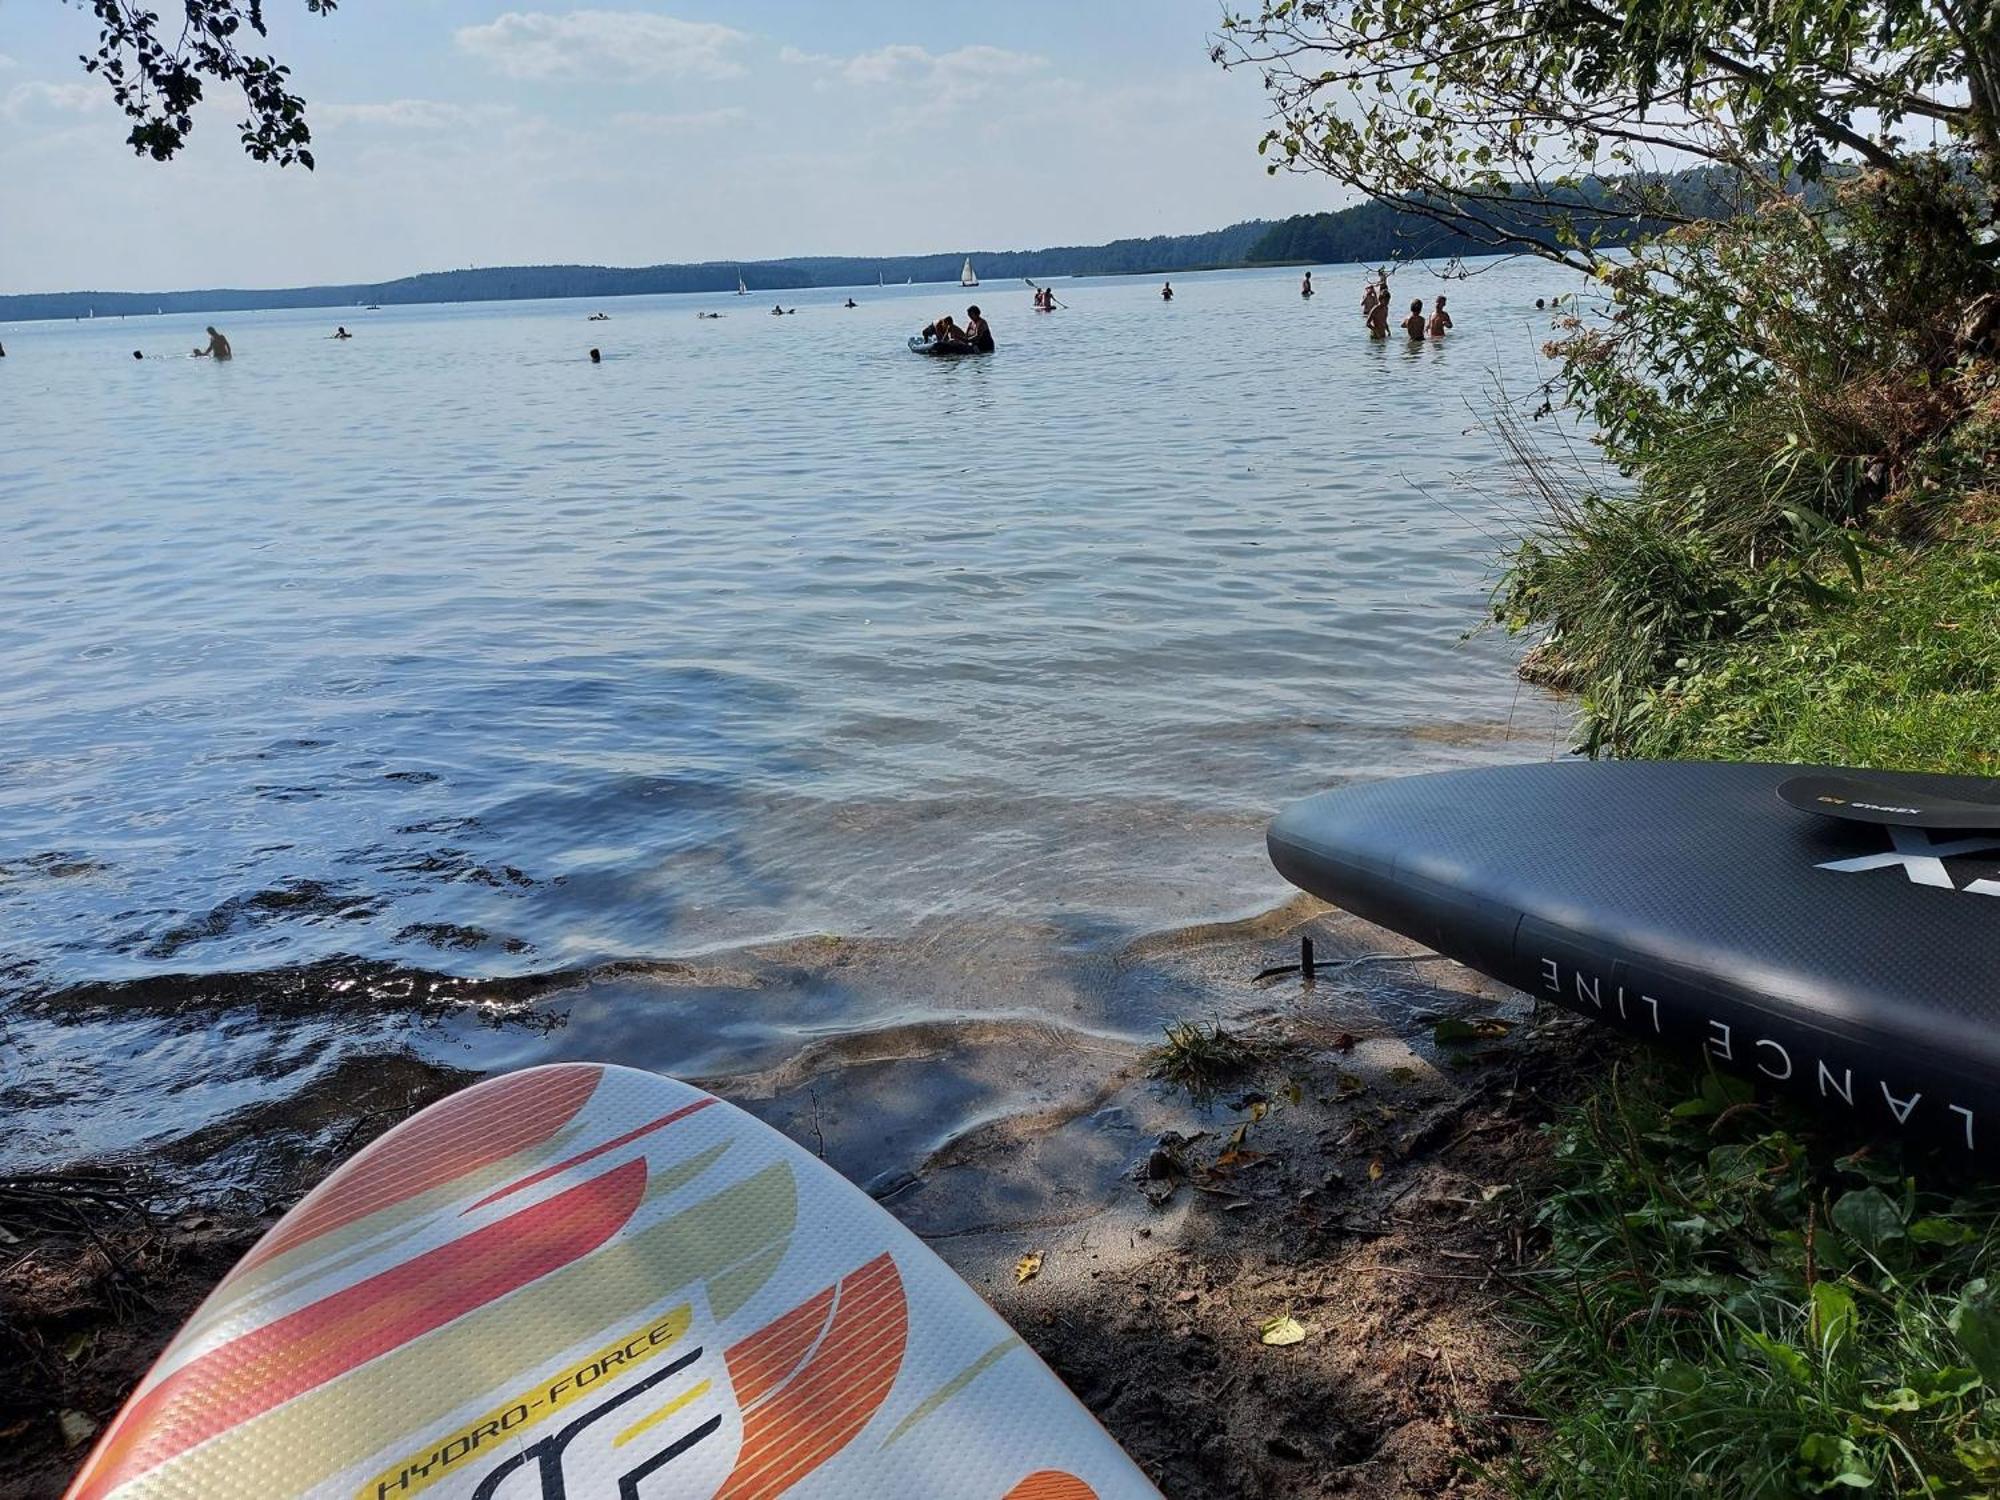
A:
452,133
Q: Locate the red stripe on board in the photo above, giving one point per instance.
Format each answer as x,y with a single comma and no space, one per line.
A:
593,1153
761,1362
469,1130
826,1402
284,1359
1051,1484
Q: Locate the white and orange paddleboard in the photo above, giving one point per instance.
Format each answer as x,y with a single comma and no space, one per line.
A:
582,1281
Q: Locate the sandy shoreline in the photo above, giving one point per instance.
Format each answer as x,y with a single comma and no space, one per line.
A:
1366,1186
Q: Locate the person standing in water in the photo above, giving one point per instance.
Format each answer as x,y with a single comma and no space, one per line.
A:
218,347
1440,323
1167,291
1306,286
1378,318
1413,325
977,332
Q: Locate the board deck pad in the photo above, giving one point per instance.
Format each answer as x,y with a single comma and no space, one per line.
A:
582,1281
1854,963
1869,799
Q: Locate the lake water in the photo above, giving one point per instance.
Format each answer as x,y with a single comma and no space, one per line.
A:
350,675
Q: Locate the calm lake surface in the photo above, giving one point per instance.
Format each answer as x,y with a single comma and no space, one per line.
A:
397,669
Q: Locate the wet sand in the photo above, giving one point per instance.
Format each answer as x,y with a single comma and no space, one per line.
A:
1368,1186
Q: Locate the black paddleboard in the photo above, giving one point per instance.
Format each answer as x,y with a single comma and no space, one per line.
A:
1854,963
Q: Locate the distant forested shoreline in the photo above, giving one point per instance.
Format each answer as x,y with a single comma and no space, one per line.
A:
1367,232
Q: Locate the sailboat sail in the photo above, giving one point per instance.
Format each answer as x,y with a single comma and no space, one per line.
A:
965,277
741,289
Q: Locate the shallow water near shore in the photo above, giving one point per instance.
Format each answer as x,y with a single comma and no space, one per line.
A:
440,693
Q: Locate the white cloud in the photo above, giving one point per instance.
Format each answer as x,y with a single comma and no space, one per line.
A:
64,98
683,124
603,44
410,114
911,66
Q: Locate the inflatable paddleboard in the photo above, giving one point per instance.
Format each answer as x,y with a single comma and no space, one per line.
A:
941,351
582,1281
1731,911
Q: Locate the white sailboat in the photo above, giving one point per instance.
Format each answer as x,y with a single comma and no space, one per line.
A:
741,289
965,277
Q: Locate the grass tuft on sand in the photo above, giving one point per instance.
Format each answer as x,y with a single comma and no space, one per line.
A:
1200,1059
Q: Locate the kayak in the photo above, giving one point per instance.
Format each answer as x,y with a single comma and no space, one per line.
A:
589,1280
1833,933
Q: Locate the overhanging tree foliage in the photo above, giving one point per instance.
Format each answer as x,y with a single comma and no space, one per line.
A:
157,68
1483,112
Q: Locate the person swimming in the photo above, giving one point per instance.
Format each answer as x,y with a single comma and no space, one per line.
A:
218,348
977,331
340,333
596,358
1440,323
1540,304
851,303
1167,291
1413,325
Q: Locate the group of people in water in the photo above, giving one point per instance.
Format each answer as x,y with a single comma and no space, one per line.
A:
976,335
1375,313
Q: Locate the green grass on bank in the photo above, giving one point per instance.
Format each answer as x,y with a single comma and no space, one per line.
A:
1732,1306
1904,675
1735,1303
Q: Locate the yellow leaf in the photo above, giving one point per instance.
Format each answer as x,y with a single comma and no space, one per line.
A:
1375,1170
1028,1267
1282,1330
